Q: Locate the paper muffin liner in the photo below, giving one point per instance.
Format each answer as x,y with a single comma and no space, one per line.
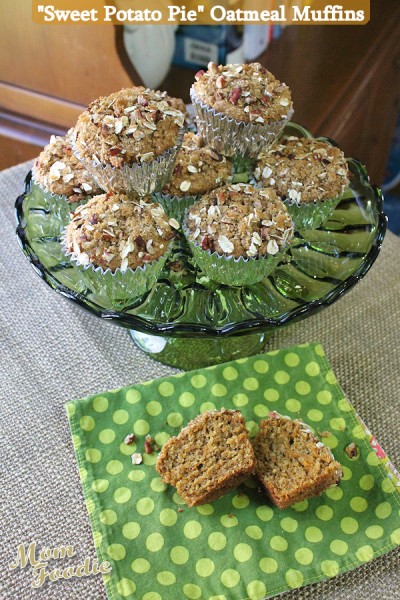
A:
143,178
175,206
120,288
230,137
311,215
230,270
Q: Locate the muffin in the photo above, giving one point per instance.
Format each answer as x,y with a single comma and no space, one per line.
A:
198,169
211,456
121,242
59,173
309,175
238,233
240,109
291,463
129,140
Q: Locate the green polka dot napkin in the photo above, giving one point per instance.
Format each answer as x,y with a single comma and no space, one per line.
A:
238,547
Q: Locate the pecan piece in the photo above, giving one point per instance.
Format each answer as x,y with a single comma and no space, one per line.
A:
139,241
235,95
115,151
264,233
207,243
213,68
178,169
352,450
142,101
148,448
221,197
221,82
129,439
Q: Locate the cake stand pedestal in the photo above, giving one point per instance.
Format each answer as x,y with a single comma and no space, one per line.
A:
198,352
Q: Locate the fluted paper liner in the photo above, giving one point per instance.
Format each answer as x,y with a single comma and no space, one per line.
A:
175,206
230,137
311,215
121,287
232,271
57,202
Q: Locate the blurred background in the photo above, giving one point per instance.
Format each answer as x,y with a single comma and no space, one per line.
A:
344,79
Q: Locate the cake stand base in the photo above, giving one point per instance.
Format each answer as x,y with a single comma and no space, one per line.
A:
195,353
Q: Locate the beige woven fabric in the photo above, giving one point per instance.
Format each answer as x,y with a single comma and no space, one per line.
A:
52,351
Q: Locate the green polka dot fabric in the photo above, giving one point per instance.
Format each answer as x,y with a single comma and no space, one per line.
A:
239,547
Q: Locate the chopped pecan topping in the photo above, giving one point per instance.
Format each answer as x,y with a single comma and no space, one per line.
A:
140,241
235,95
178,169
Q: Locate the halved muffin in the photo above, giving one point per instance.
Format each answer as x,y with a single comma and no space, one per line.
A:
291,462
210,456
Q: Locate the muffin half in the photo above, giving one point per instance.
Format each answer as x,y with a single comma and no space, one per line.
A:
209,457
291,463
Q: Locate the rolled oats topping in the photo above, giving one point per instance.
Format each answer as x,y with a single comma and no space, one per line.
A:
116,231
198,169
244,92
58,171
134,125
240,220
303,170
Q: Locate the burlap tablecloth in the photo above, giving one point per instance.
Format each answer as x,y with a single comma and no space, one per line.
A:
52,351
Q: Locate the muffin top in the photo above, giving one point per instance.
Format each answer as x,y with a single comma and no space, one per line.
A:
240,220
244,92
133,125
198,169
58,171
116,231
303,170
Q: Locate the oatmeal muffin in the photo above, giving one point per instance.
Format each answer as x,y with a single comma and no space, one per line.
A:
211,456
291,463
240,109
122,242
58,171
309,175
129,140
238,233
198,169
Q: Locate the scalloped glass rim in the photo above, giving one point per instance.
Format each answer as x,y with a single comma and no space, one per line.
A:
187,329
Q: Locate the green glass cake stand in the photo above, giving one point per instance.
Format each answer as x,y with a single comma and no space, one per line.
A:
189,321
